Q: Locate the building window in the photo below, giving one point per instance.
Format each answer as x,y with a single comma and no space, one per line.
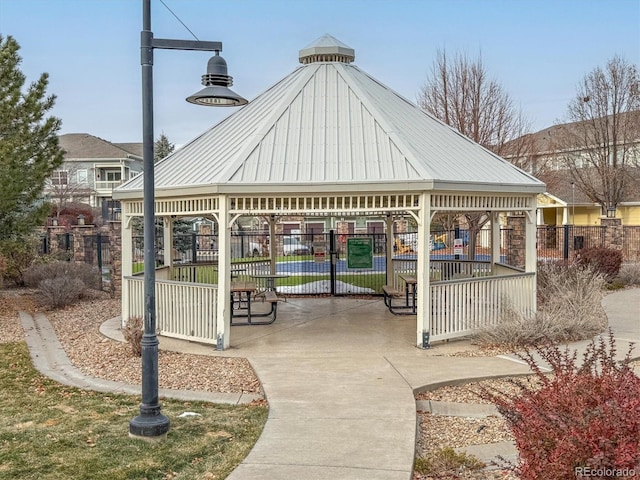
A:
82,177
59,177
113,176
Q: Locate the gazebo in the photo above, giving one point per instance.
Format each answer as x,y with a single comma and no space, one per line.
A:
328,139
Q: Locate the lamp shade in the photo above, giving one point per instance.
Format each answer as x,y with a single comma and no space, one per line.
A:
216,91
217,96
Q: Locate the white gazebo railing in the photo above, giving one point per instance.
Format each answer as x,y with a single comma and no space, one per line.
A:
461,307
184,310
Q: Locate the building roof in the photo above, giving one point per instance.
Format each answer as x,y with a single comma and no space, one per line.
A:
560,184
85,146
330,125
570,136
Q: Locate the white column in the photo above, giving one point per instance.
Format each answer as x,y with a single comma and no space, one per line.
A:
272,244
531,256
423,314
495,241
126,256
223,314
167,234
565,215
389,229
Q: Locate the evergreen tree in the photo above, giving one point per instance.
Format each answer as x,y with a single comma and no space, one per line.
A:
29,149
162,147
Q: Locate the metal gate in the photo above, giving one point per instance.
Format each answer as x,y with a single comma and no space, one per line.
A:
317,264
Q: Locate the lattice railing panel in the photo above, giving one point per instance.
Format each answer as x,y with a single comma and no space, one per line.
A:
177,206
325,203
482,202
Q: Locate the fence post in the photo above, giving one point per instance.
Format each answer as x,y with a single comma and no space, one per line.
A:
565,244
194,248
99,251
333,254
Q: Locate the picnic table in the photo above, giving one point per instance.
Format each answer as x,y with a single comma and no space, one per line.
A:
243,303
408,294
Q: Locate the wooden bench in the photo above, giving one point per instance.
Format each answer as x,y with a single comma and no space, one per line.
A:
389,293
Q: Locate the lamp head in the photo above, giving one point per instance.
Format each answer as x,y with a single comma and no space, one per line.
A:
216,91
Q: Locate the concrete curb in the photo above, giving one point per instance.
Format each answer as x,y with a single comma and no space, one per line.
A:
50,359
453,409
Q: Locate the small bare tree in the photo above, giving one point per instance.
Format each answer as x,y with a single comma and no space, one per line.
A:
461,94
602,145
67,185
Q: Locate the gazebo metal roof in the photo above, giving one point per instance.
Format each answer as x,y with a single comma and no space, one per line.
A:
329,126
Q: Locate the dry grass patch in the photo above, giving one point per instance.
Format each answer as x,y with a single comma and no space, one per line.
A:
569,309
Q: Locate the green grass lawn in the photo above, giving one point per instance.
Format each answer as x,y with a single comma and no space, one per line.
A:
50,431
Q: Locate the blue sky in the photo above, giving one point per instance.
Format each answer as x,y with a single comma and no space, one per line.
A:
538,50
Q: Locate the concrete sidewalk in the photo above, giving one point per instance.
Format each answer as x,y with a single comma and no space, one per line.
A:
340,376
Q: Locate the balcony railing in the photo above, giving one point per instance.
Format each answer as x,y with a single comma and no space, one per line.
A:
107,185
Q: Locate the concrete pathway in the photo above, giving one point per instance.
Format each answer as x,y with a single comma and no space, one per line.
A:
340,376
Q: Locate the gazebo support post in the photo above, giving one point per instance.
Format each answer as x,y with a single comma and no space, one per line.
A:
389,229
531,258
167,238
223,314
126,266
495,241
423,313
272,244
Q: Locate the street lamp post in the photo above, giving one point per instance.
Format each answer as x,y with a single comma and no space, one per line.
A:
150,423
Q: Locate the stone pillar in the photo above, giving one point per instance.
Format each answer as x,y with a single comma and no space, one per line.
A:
78,232
516,251
53,233
115,251
613,233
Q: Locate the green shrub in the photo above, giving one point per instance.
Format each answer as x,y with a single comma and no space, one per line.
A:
3,268
585,417
19,255
606,261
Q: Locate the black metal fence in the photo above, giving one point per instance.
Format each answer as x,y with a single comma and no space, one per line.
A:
631,243
96,249
563,242
93,249
317,263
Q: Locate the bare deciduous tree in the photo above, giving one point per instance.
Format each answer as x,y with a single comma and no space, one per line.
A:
603,142
461,94
68,185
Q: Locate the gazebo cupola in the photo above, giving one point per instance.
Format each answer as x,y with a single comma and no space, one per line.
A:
327,49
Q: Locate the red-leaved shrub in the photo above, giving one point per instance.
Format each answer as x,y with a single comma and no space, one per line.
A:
585,416
606,261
